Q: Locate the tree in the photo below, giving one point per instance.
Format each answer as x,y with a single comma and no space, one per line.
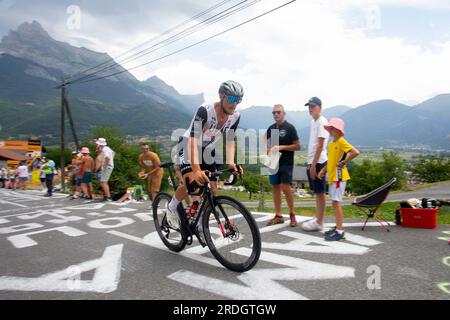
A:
55,155
393,166
255,183
432,170
370,175
250,182
113,136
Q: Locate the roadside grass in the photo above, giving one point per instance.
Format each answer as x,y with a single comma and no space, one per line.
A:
244,197
350,212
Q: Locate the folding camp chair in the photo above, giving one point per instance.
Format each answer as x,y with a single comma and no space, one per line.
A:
370,203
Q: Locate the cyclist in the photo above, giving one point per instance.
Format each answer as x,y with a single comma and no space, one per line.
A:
210,123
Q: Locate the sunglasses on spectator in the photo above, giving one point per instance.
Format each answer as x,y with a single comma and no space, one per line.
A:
233,99
276,112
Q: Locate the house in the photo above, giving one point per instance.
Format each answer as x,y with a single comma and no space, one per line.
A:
11,157
299,177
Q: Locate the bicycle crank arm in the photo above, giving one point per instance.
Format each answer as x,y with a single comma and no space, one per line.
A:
200,239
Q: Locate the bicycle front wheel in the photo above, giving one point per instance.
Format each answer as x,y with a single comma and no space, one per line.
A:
173,239
235,242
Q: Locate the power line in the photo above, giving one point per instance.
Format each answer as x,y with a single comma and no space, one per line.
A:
179,36
192,45
155,38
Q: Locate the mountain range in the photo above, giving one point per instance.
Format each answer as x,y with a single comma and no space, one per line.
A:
33,64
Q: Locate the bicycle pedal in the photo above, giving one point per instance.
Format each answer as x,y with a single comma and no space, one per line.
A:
189,240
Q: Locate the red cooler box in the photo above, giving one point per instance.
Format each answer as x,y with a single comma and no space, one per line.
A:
419,218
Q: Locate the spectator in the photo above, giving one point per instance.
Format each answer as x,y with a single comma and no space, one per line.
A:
42,176
150,170
49,170
3,176
317,160
286,144
78,177
107,167
340,153
23,175
98,168
88,166
73,175
12,175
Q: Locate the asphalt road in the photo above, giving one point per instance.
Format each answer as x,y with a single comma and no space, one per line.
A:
61,249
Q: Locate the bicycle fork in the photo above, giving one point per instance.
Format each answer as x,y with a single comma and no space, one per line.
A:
228,224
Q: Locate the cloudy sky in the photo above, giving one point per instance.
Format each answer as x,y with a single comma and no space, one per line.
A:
346,52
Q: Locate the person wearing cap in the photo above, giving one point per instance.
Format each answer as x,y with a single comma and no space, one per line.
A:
317,160
340,153
107,166
49,169
88,165
150,170
211,123
282,138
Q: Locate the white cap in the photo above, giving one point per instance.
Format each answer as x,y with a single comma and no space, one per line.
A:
101,142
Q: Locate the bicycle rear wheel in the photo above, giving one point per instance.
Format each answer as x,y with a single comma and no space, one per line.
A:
173,239
236,242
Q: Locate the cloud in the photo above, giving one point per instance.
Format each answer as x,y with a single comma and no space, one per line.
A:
303,50
308,50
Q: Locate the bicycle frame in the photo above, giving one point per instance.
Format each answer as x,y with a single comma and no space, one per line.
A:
209,204
172,178
207,199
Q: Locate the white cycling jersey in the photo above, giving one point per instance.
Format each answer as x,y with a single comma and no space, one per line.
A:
205,122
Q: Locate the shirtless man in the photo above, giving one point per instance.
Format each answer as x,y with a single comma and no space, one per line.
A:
88,166
150,170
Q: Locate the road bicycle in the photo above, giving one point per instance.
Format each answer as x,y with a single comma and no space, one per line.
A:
219,222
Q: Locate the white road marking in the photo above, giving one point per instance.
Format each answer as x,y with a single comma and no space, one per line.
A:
12,203
56,213
153,240
144,216
105,280
20,228
120,210
95,214
261,284
29,208
24,241
100,223
304,244
91,206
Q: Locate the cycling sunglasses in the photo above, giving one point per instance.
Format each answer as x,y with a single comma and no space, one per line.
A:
233,99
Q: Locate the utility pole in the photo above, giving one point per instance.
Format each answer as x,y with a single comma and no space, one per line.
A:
72,126
63,142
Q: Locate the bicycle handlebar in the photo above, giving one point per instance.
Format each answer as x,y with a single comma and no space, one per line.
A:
194,185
